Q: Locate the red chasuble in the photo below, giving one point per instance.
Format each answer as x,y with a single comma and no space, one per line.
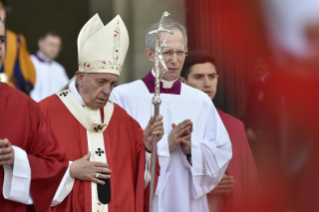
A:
125,153
242,167
24,125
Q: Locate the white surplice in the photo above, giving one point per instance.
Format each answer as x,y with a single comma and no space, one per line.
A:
182,186
50,77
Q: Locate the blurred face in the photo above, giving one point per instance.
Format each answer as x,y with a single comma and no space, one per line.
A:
3,12
2,44
95,89
50,46
173,54
204,77
312,33
260,67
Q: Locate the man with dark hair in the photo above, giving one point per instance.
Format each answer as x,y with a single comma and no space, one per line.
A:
51,75
257,120
199,71
32,162
201,57
17,69
49,32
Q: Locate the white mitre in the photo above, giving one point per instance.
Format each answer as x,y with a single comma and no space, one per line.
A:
102,49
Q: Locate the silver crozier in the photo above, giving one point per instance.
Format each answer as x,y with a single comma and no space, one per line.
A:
156,98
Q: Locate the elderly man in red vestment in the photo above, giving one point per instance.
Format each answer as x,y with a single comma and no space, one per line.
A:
33,162
108,148
199,71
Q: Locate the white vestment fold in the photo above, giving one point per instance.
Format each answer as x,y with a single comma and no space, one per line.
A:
17,180
182,186
50,77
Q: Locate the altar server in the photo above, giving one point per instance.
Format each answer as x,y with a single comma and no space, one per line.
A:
239,186
51,75
195,149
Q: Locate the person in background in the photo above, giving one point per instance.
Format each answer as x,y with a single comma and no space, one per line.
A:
256,119
17,69
240,182
51,75
195,150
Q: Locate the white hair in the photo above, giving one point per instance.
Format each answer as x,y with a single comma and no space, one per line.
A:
150,40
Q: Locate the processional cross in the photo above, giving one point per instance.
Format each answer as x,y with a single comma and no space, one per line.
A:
156,101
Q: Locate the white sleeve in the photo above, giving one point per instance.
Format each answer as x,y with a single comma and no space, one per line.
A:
64,77
210,155
114,97
165,162
64,188
16,184
122,101
147,172
35,93
163,154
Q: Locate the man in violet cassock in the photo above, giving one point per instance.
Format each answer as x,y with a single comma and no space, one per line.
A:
195,149
51,75
199,71
107,146
32,160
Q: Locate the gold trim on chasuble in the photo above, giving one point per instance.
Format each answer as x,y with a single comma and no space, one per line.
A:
94,132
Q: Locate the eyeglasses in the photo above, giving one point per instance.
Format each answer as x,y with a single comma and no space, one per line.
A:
179,53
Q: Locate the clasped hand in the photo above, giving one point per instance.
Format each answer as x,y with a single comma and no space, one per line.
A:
181,135
6,152
225,186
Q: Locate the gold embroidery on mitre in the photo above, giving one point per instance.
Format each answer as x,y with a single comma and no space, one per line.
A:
107,64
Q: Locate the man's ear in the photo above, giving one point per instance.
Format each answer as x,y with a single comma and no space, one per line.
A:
79,78
150,55
182,79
